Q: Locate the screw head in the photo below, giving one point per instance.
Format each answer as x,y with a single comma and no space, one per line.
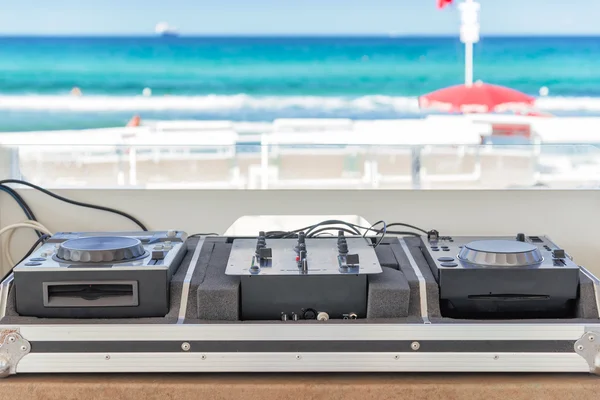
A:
185,346
23,348
298,357
591,338
203,357
12,339
396,357
107,357
415,346
496,357
580,347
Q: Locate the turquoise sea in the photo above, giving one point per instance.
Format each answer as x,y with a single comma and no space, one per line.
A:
262,78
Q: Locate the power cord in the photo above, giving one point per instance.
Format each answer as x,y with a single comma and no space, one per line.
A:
74,202
10,229
42,239
24,206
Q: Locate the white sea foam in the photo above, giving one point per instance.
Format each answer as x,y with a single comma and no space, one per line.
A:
207,103
222,103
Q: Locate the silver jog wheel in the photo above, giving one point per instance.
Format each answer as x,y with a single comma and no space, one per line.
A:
101,249
500,253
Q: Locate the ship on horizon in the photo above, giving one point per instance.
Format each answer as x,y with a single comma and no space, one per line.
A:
163,29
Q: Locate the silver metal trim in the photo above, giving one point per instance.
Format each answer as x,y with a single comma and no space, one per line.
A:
4,289
596,284
422,282
302,332
185,291
13,347
587,347
302,362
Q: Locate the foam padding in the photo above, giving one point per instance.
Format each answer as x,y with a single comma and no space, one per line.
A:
388,295
218,295
587,304
431,286
386,257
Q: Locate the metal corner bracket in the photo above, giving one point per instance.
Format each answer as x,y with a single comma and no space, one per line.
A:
588,347
12,348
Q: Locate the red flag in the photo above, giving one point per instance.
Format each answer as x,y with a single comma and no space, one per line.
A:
443,3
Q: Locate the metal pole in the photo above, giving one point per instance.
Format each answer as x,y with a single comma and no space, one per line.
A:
469,34
469,64
416,166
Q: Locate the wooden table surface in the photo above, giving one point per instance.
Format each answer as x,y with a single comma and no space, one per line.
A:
302,386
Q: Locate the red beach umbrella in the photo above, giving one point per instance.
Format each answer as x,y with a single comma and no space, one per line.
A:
443,3
479,97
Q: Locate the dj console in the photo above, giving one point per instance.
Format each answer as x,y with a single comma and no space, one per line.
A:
99,275
344,302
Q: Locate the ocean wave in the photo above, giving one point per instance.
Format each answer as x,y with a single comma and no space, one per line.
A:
206,103
221,103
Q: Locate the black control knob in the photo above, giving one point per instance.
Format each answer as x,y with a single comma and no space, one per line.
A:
343,248
558,253
520,237
301,245
301,237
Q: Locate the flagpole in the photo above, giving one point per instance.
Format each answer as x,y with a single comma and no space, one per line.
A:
469,64
469,34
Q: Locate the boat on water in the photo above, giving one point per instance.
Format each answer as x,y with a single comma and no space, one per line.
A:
163,29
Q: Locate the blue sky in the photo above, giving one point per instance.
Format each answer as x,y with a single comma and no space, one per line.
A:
253,17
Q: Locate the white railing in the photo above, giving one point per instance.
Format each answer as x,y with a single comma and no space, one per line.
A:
436,152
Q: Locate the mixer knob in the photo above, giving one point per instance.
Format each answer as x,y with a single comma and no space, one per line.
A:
558,253
343,248
301,237
520,237
265,253
352,259
171,233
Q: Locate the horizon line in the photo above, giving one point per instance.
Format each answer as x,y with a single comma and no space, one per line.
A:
294,35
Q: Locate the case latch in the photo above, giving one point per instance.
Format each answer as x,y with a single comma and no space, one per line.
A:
12,348
588,347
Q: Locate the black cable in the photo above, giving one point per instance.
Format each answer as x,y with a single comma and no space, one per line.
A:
39,241
383,230
26,210
75,203
405,233
275,234
331,228
310,230
22,203
202,234
333,222
408,226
